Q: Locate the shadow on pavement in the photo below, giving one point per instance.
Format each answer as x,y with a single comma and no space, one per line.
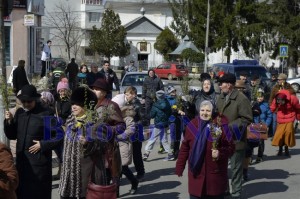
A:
260,188
174,195
159,173
267,174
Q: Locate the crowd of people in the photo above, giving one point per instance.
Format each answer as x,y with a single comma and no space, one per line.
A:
96,135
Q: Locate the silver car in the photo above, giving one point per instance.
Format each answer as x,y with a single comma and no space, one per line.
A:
295,83
135,79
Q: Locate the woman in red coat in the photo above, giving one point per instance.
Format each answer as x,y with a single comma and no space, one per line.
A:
288,108
207,145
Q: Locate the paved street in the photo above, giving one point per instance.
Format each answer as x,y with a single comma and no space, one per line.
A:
274,178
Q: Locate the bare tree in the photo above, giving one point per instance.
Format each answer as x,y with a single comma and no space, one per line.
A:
67,25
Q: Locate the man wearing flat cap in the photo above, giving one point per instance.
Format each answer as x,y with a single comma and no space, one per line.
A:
33,149
236,107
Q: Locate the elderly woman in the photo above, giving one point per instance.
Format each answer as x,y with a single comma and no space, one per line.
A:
207,145
78,158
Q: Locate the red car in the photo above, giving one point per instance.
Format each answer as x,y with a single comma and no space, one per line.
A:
171,70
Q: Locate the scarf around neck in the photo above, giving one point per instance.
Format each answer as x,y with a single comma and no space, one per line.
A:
70,180
199,148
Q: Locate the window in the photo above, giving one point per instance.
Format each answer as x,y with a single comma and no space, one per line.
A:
7,44
94,16
93,2
180,66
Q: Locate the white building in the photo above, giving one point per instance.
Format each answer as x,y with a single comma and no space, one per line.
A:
143,20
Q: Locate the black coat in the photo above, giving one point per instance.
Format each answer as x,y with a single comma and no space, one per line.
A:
112,78
19,78
72,71
35,170
150,86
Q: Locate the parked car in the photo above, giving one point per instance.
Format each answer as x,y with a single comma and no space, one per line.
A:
249,66
135,79
295,83
171,70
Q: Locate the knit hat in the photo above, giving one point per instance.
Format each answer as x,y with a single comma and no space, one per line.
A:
62,85
260,92
160,94
282,76
83,96
170,89
221,73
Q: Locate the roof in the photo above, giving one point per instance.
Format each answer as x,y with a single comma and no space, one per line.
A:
142,25
184,45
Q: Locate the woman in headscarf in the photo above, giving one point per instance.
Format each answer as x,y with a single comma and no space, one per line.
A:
207,93
207,145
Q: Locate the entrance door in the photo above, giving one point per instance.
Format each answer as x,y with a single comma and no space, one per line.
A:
143,61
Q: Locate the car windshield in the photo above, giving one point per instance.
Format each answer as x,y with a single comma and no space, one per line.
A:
260,71
180,66
134,79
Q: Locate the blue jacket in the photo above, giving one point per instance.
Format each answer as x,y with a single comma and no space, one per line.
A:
161,111
266,114
172,100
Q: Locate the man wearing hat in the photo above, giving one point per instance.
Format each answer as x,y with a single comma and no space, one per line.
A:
233,104
254,85
33,150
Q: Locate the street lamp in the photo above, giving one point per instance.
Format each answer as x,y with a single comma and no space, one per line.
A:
206,37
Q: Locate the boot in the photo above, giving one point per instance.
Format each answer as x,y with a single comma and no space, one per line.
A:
286,151
134,186
279,151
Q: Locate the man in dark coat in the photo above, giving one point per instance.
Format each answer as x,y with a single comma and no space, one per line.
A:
151,84
92,76
236,107
111,78
71,71
19,77
34,146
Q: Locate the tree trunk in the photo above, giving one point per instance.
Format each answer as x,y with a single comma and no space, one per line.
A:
3,86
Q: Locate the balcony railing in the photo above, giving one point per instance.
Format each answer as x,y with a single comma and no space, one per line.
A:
91,2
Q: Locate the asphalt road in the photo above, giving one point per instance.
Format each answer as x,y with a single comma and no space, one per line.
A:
274,178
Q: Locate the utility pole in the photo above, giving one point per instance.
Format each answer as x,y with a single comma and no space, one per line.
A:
206,37
3,85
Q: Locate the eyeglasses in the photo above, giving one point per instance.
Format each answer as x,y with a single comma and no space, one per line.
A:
27,101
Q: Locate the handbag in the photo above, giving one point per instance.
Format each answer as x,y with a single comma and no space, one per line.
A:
95,191
256,131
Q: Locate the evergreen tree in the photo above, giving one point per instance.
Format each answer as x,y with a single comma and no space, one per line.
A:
109,40
180,17
166,42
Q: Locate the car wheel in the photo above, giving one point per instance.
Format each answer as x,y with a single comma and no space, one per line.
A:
295,87
170,76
